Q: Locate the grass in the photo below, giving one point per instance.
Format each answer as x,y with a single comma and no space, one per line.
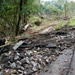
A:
71,22
33,19
36,18
60,25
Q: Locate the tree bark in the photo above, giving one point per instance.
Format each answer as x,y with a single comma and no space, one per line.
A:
24,17
19,19
25,20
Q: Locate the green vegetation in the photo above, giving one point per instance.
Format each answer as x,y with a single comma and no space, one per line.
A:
71,22
33,19
60,25
16,13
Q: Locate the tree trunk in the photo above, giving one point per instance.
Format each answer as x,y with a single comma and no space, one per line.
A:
15,18
25,19
25,16
65,11
19,19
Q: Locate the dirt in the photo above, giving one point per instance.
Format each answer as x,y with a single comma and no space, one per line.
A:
45,27
42,27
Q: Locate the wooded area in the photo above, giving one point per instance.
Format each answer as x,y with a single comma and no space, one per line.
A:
15,14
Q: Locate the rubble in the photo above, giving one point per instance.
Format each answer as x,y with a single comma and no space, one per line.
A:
31,55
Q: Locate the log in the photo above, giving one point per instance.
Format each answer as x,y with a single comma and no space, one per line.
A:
26,27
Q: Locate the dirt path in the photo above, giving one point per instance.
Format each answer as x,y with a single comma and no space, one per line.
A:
51,27
43,26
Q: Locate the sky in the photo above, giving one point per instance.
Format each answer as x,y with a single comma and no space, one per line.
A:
51,0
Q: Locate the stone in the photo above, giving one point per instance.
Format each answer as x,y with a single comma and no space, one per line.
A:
6,70
23,61
1,73
16,57
61,33
34,69
66,60
29,53
6,65
17,45
5,58
39,66
18,54
25,73
13,65
13,72
51,45
27,60
40,60
20,72
0,67
33,63
47,60
18,62
20,67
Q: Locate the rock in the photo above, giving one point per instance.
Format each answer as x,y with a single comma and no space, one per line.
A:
66,60
25,73
53,57
61,33
16,57
29,53
7,65
13,72
17,45
51,45
20,67
6,72
47,61
1,73
38,23
2,41
26,27
34,69
38,48
13,65
0,67
34,63
22,55
18,54
23,61
5,59
73,28
10,52
39,66
20,72
27,60
40,60
18,62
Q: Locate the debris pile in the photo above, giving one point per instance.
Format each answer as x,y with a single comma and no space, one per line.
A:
31,55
